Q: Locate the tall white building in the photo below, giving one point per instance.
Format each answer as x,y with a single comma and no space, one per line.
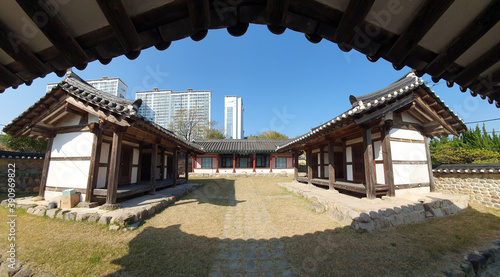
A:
233,117
113,86
160,106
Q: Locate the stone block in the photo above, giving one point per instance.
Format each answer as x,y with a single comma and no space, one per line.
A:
82,216
24,272
70,216
317,208
51,213
364,217
151,210
374,215
105,219
60,215
94,218
114,227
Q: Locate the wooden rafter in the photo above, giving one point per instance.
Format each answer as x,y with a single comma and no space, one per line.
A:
122,25
7,77
199,14
484,62
276,11
55,30
355,13
471,34
426,17
436,117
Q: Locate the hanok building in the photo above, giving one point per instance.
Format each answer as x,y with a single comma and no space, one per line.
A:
99,145
380,146
242,156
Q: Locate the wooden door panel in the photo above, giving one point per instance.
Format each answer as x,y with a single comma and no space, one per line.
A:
358,163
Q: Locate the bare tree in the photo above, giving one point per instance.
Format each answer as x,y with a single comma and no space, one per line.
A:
188,124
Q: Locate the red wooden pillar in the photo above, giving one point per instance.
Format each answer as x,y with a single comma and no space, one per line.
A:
193,164
270,162
234,163
254,158
218,163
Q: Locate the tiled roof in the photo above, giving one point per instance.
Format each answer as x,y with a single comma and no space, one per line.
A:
467,168
21,155
369,102
241,145
126,108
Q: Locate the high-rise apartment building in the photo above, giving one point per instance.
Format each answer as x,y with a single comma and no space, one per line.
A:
233,117
113,86
160,106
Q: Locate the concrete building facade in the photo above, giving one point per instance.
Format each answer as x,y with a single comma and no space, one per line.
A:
233,117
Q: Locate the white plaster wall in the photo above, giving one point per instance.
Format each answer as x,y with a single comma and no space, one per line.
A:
105,152
348,154
78,144
377,146
135,156
408,118
101,177
93,118
70,120
71,174
406,151
380,173
413,191
353,141
349,173
134,175
410,174
205,170
406,134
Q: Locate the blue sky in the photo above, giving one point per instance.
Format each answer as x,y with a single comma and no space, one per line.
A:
287,83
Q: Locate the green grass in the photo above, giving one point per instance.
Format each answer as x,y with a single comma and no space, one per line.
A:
183,239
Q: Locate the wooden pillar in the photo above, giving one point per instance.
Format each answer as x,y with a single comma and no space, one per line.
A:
114,170
429,164
322,162
46,163
139,165
309,165
94,163
234,163
218,163
387,157
271,163
368,158
331,165
162,164
175,161
193,163
254,161
296,165
154,165
186,170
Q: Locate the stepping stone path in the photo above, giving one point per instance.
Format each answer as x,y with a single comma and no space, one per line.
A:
249,246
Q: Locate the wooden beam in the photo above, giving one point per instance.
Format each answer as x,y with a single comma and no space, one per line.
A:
429,165
331,165
218,163
271,163
94,163
122,25
55,30
309,165
355,14
321,162
8,78
234,163
436,117
199,14
422,22
368,159
254,161
186,163
277,11
114,168
20,52
139,167
387,157
154,165
473,70
470,35
46,164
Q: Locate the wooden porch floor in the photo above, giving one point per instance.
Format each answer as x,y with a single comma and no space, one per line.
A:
345,185
128,190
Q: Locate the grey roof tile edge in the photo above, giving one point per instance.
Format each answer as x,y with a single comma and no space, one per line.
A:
242,145
364,107
467,168
21,155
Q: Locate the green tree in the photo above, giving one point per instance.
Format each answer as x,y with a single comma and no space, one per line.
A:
269,135
23,144
214,132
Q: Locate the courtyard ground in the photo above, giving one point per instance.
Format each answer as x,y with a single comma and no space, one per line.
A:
248,226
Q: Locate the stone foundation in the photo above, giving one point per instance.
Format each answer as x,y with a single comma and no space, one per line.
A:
238,175
28,174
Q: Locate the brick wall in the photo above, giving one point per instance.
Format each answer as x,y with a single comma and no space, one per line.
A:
28,174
